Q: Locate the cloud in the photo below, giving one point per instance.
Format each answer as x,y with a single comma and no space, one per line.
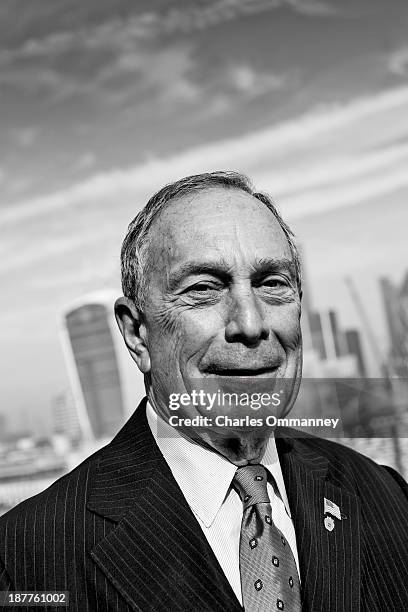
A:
120,61
293,160
398,62
39,82
123,33
161,76
236,84
36,251
313,8
108,64
17,185
25,137
87,275
338,169
30,79
201,17
86,160
115,35
350,191
252,83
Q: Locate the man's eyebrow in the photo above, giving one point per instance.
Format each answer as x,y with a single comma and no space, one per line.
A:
217,268
270,265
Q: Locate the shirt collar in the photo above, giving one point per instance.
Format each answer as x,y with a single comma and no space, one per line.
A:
203,476
271,462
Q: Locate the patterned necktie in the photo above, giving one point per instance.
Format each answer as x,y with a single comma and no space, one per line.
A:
269,576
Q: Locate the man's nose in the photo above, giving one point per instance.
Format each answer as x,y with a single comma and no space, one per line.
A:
246,320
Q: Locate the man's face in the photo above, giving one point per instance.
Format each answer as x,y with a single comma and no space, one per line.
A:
222,304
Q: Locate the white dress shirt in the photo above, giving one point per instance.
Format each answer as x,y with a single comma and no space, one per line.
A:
205,479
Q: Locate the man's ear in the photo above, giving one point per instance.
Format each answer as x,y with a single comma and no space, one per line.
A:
132,329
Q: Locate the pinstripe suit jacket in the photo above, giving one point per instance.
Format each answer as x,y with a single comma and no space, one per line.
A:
118,534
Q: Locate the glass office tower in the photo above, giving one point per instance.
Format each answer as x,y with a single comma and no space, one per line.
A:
106,383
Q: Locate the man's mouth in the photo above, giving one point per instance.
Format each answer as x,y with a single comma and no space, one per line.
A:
241,372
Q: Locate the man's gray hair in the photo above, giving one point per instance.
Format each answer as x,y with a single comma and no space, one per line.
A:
134,254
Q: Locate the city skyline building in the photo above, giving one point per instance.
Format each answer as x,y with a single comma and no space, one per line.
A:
395,300
66,422
106,384
325,349
333,356
354,347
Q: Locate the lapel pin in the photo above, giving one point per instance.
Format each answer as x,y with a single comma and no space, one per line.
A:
332,508
329,523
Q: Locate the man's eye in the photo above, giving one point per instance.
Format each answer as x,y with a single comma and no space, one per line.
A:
275,283
202,287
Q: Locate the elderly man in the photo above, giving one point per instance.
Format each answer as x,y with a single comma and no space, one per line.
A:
199,506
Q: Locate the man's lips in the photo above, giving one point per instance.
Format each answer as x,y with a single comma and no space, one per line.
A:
240,372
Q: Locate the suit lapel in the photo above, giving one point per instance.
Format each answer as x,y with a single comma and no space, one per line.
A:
329,560
157,555
158,558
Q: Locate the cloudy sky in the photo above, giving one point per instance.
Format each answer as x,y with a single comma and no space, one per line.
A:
104,101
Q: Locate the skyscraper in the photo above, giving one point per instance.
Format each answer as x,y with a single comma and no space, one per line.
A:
324,343
65,414
396,311
106,383
354,347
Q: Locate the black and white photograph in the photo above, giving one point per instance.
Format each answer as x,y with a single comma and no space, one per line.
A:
204,305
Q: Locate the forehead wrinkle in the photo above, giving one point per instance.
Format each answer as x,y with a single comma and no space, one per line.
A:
243,252
270,225
187,202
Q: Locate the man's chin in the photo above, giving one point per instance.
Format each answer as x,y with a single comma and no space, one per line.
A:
241,448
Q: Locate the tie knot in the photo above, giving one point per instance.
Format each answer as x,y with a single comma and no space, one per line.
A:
250,482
